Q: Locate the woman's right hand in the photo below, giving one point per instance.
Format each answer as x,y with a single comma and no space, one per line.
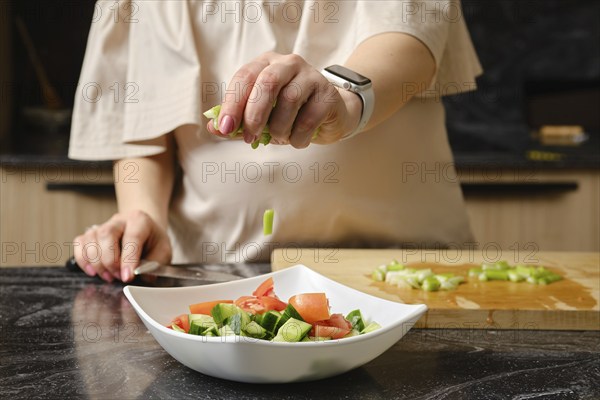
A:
115,248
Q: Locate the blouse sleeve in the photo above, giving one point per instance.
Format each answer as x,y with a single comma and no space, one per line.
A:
440,25
139,80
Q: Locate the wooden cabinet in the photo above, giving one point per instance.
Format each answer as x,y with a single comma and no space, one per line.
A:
43,207
523,209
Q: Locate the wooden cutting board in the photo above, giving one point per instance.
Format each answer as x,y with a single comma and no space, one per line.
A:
570,304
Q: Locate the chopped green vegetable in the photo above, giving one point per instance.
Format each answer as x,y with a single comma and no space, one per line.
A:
356,319
494,275
199,323
373,326
401,276
268,222
292,331
431,284
255,330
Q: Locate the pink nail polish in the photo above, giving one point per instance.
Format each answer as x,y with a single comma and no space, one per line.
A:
226,125
107,276
248,137
125,275
90,270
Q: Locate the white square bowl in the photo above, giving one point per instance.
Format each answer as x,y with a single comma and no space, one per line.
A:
245,359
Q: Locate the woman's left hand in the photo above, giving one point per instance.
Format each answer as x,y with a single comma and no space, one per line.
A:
304,102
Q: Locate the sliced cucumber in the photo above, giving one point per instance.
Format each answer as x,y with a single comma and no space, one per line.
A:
222,311
289,312
199,323
373,326
270,320
255,330
238,322
225,330
293,330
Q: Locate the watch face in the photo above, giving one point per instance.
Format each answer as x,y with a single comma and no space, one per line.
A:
348,75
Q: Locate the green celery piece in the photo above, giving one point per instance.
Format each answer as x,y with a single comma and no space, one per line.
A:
382,268
451,283
500,265
378,275
268,217
475,272
393,277
494,275
514,276
408,283
525,270
213,114
448,285
395,266
424,274
431,284
444,277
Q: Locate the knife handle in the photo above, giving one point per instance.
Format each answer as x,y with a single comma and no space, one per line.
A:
72,265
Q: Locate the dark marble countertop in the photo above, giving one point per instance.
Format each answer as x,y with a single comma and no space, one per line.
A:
65,335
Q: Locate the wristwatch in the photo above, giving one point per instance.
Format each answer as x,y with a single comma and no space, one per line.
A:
354,82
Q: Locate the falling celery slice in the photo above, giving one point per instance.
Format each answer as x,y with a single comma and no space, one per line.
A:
268,222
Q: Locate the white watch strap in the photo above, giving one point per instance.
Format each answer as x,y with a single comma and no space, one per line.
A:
366,94
368,100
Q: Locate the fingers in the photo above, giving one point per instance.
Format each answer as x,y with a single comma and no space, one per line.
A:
109,236
136,233
265,91
309,118
114,249
305,102
88,255
238,92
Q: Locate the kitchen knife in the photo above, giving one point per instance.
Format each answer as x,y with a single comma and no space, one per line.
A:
185,272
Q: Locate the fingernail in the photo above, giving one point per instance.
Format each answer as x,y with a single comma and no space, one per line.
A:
90,270
125,274
226,125
107,276
248,137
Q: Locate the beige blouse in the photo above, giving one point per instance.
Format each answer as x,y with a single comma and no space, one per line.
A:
153,67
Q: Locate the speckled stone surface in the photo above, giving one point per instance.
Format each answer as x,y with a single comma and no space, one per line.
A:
65,335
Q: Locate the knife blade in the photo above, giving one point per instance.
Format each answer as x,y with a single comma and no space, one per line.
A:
183,272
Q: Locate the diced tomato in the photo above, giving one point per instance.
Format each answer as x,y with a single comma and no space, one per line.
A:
312,307
183,322
250,304
329,331
264,289
206,307
272,303
259,305
335,327
338,321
